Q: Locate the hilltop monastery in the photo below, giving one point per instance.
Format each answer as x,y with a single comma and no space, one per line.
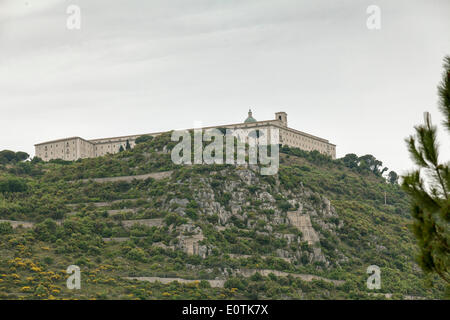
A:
78,148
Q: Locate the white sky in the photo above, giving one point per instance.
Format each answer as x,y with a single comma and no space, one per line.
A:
154,65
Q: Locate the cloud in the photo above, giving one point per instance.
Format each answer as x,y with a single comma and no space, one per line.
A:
142,66
14,9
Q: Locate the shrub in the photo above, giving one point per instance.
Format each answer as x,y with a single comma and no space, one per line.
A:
5,228
143,139
13,185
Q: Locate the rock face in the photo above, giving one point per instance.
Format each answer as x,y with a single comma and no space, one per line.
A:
303,223
190,245
180,202
243,201
189,239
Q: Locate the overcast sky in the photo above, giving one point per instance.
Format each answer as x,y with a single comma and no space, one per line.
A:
154,65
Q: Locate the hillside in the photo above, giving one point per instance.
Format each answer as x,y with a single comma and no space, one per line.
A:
134,222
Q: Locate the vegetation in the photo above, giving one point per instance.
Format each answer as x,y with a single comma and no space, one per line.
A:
236,219
429,187
8,156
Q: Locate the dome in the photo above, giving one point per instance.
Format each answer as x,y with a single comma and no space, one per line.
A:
250,118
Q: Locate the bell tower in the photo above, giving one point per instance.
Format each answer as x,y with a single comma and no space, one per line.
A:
282,117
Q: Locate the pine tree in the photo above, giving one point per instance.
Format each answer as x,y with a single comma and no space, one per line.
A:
128,147
429,188
444,93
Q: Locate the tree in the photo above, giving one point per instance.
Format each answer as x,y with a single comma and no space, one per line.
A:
21,156
444,93
350,160
121,148
13,184
429,186
393,177
366,163
143,139
370,163
36,160
128,147
8,156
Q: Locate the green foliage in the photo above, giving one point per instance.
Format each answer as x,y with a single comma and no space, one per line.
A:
444,93
8,156
393,177
253,232
12,184
283,204
143,139
429,188
366,163
174,219
5,228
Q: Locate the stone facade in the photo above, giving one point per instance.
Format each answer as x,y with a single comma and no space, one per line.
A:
78,148
75,148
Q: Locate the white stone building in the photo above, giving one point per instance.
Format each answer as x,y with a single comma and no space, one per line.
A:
78,148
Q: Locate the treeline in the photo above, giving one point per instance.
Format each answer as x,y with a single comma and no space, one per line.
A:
363,165
368,163
8,156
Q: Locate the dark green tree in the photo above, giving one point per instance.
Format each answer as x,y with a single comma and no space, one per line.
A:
121,148
393,177
8,156
12,184
429,186
370,163
128,147
350,160
143,139
444,93
21,156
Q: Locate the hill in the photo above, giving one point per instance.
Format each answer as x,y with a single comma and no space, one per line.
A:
140,227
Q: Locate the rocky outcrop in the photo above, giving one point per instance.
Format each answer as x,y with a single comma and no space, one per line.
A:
189,239
190,245
303,223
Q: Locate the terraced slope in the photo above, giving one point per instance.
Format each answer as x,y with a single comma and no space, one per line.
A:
140,227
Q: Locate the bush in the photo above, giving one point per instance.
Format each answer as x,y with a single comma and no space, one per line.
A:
173,218
283,205
5,228
13,185
143,139
136,254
